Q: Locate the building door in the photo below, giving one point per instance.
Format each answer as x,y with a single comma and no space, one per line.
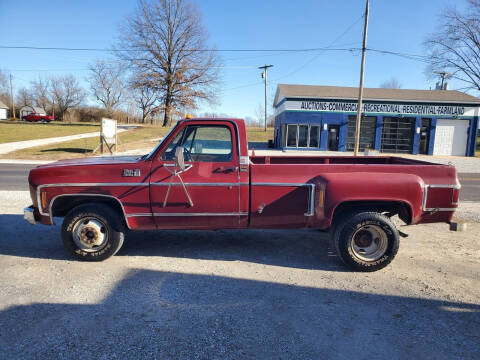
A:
451,137
333,134
397,135
424,136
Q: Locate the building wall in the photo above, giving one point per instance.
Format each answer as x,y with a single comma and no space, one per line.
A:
3,114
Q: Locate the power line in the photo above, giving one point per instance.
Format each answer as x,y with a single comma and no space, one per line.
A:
88,69
183,50
329,46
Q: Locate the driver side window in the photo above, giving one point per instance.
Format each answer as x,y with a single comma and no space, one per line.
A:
206,143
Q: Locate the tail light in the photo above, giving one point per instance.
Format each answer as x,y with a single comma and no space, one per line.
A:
441,197
455,196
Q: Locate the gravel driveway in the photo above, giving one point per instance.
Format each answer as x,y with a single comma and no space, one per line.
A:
236,295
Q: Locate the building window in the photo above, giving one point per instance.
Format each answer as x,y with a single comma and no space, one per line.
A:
292,135
303,136
397,135
367,132
314,136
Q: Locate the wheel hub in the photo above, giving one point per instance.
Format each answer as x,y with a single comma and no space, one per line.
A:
369,243
363,238
89,234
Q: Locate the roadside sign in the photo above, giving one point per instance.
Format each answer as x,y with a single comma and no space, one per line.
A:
108,135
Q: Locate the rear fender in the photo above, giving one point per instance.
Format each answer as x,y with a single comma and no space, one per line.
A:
370,191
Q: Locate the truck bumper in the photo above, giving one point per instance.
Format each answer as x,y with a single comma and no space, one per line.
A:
29,215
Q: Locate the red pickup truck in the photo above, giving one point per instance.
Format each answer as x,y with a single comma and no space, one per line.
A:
202,177
33,117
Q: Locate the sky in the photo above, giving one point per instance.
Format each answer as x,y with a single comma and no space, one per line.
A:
399,26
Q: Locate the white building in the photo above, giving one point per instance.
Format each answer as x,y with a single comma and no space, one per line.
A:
3,111
26,110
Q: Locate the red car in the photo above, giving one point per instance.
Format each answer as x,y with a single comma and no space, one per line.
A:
201,177
33,117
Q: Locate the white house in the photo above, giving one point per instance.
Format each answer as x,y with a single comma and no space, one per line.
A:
3,111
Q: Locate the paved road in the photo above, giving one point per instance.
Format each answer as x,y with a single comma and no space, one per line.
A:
14,177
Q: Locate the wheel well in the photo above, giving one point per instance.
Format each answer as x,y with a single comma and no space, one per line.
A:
399,208
62,204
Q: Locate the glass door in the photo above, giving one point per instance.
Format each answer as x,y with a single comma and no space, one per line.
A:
424,136
333,132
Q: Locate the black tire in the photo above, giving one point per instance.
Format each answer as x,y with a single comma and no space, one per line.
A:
93,217
366,230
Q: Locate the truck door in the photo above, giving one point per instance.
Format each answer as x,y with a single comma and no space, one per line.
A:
210,194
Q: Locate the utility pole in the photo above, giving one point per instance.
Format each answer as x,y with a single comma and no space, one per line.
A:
360,89
11,96
264,76
443,75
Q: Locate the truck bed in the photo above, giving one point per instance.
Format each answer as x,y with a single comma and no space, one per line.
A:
345,160
430,190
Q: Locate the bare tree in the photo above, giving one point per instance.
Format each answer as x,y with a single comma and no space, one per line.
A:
23,97
41,94
107,83
67,93
4,88
166,47
455,45
393,83
147,101
259,115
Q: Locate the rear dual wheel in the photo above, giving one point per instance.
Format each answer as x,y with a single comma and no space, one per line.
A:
366,241
92,232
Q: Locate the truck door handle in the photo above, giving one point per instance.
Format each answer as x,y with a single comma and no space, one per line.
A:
226,169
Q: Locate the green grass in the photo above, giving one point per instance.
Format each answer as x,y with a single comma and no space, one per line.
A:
128,140
140,138
10,131
256,134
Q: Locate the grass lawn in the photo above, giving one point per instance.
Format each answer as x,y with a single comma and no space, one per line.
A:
140,138
128,140
10,131
256,134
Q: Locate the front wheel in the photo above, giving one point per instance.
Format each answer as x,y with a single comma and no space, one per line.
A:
92,232
366,241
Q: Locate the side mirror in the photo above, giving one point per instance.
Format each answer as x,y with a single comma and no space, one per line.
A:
179,160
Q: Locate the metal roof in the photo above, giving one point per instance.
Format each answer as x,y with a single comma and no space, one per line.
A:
351,93
3,106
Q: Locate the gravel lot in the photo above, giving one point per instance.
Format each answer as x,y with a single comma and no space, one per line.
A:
236,295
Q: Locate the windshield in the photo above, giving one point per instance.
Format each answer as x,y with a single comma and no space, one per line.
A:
159,143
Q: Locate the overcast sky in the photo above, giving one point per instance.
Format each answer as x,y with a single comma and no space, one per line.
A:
399,26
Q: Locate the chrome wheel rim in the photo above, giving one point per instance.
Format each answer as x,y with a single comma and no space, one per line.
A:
369,243
90,234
